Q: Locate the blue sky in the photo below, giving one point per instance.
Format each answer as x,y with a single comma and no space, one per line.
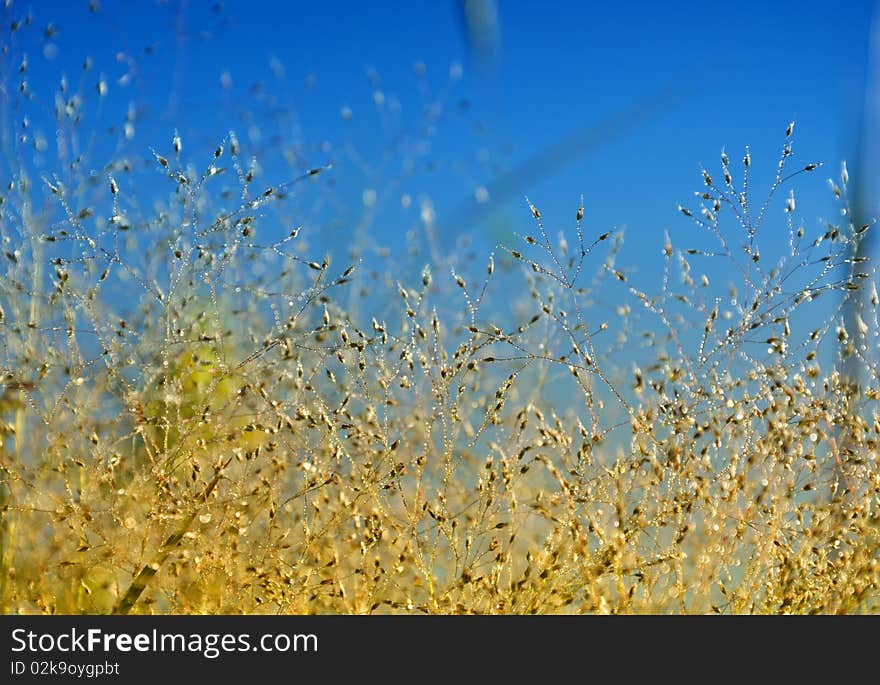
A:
715,75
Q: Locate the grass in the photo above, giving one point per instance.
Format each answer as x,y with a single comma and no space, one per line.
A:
200,417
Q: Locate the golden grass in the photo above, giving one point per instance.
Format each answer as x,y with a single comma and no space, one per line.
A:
234,439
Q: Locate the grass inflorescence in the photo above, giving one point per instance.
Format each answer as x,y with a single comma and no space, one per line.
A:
200,413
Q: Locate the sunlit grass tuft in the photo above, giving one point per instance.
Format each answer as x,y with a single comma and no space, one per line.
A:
203,409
